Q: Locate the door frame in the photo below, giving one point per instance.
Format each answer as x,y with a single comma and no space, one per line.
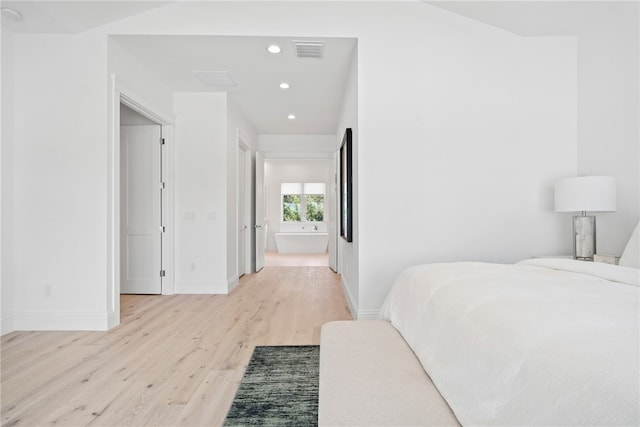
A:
331,203
245,194
121,94
260,226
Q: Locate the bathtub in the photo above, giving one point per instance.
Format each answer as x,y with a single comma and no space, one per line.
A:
302,243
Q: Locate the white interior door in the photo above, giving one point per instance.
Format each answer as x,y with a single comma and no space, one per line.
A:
261,223
141,251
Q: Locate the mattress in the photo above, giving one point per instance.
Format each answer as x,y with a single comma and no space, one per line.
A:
541,342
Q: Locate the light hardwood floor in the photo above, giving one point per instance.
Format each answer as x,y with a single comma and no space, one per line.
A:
173,361
275,259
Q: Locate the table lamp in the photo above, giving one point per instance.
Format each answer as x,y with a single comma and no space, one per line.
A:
585,194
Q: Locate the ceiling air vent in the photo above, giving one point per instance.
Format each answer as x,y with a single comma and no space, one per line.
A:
309,49
215,78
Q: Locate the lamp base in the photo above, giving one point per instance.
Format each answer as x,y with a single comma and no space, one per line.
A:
584,237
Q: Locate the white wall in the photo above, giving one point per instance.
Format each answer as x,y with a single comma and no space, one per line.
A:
296,146
457,158
609,115
348,265
138,82
7,277
201,192
277,171
468,123
60,169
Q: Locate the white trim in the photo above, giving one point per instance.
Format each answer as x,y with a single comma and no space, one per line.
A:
138,103
249,184
201,287
113,318
242,139
8,323
70,321
353,305
368,314
232,283
242,144
141,109
113,209
168,245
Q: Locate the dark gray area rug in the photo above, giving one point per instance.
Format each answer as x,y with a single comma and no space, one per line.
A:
279,388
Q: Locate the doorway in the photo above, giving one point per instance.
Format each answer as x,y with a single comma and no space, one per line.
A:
244,208
141,201
299,208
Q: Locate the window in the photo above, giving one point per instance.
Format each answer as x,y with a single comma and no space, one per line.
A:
291,207
314,204
302,202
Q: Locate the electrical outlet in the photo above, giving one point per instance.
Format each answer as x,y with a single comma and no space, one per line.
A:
193,266
48,291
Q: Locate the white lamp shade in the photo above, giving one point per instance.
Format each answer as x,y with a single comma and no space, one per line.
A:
586,194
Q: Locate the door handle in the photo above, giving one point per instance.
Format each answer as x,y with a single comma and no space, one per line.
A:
258,226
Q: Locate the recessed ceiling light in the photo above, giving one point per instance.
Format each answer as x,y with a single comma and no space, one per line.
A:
291,117
284,85
274,48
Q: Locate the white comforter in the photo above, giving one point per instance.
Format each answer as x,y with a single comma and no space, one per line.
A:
541,342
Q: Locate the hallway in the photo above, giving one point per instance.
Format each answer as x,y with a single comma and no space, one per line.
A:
275,259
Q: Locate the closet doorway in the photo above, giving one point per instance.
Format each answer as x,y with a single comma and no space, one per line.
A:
141,193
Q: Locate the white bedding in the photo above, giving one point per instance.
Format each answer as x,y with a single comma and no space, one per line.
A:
541,342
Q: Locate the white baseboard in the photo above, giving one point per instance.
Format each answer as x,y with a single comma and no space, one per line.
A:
113,320
232,283
368,314
55,321
201,288
353,305
8,323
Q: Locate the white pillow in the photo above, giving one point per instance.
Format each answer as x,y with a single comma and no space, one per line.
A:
631,254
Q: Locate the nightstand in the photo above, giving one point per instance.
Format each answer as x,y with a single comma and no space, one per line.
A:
607,259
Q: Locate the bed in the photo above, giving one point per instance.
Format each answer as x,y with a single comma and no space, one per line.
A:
539,342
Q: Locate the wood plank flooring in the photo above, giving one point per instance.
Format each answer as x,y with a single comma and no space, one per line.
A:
173,361
275,259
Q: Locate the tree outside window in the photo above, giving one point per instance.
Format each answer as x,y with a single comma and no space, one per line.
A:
303,202
291,204
314,207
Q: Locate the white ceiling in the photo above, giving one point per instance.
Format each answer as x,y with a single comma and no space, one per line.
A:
316,84
71,16
532,18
